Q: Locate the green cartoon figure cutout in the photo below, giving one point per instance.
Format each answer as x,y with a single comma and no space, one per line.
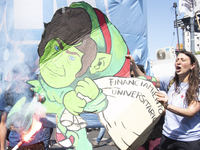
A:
78,46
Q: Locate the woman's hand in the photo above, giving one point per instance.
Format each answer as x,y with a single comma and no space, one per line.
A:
162,97
131,59
134,66
188,112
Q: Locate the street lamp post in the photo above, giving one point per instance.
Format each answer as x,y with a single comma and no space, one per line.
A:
175,5
192,31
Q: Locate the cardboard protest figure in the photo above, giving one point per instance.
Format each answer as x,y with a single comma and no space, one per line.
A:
80,52
78,46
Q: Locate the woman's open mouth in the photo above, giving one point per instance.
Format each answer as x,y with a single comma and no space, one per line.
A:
178,68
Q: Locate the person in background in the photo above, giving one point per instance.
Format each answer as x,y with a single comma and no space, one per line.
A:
99,137
141,67
3,130
181,128
15,90
4,111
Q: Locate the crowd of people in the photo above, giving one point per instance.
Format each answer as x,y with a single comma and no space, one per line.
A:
178,129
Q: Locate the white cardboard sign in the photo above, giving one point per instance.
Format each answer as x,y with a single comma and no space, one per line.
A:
132,110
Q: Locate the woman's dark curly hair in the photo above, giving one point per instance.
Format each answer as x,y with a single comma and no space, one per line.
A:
193,90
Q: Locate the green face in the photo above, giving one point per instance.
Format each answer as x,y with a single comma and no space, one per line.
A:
60,63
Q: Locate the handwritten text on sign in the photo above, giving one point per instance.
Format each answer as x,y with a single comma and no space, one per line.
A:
134,88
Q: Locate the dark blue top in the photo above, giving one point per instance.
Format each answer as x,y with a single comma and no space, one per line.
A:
15,137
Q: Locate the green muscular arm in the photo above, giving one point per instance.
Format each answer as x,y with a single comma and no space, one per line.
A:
97,105
86,88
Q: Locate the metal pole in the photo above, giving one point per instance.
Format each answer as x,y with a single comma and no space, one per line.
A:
192,35
175,5
183,34
192,31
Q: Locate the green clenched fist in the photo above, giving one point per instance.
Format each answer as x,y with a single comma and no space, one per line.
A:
74,104
87,88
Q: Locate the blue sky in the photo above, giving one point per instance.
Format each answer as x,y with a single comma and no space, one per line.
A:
160,22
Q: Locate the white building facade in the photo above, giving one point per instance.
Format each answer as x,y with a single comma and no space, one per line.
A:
187,41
